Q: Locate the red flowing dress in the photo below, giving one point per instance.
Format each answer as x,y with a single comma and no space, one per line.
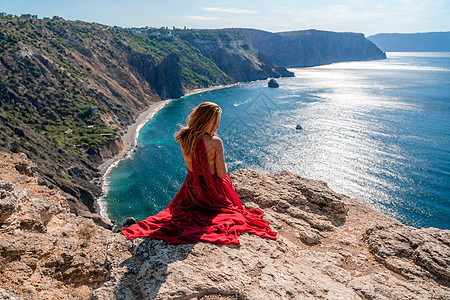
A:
206,208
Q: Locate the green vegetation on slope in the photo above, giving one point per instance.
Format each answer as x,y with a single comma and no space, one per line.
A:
69,89
63,79
197,70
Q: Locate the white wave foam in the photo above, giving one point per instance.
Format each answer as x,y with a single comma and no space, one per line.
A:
239,104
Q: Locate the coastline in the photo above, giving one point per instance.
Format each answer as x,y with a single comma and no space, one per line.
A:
130,138
211,88
130,141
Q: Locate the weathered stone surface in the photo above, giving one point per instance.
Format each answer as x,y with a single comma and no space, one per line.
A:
411,252
5,186
24,166
10,199
7,296
322,252
6,206
36,216
46,252
329,246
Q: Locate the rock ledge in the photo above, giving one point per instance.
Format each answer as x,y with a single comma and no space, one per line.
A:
329,247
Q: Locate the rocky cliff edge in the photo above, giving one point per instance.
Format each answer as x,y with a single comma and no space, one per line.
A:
329,247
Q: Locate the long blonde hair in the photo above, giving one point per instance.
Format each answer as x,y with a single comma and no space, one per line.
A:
197,122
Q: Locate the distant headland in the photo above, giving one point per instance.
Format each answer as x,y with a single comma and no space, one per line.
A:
412,42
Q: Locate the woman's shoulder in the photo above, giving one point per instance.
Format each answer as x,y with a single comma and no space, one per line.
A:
214,140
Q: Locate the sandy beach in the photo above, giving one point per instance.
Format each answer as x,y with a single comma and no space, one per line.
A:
131,135
211,88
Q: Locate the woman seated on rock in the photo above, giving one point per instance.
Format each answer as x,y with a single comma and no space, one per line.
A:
206,208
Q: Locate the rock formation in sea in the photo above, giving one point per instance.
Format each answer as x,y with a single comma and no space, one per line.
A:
329,246
273,83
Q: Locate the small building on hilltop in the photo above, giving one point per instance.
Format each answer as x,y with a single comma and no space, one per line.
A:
29,16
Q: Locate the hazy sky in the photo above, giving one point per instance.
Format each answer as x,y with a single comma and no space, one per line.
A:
366,16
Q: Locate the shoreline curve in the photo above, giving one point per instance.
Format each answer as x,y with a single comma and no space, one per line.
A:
130,141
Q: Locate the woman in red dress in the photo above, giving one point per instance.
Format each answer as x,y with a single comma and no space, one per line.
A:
206,208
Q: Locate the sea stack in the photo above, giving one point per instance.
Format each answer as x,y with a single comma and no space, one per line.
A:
273,83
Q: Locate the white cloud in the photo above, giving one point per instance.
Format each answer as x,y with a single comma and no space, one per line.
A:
202,18
230,10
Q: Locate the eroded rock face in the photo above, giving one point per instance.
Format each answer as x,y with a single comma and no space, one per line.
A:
168,79
411,252
316,47
24,166
324,251
329,246
46,252
9,200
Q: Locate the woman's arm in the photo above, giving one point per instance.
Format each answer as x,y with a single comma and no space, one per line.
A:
219,161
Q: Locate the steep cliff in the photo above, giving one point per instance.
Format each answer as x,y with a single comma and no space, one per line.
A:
66,93
312,47
233,54
328,246
168,77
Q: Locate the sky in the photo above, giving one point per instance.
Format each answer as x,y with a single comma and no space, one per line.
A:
364,16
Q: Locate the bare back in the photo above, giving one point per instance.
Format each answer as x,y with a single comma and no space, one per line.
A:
216,159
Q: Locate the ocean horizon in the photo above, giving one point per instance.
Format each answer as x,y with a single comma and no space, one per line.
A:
377,131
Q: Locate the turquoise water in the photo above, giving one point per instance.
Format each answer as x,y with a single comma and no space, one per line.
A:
377,131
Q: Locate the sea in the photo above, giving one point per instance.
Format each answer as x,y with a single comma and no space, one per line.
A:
377,131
